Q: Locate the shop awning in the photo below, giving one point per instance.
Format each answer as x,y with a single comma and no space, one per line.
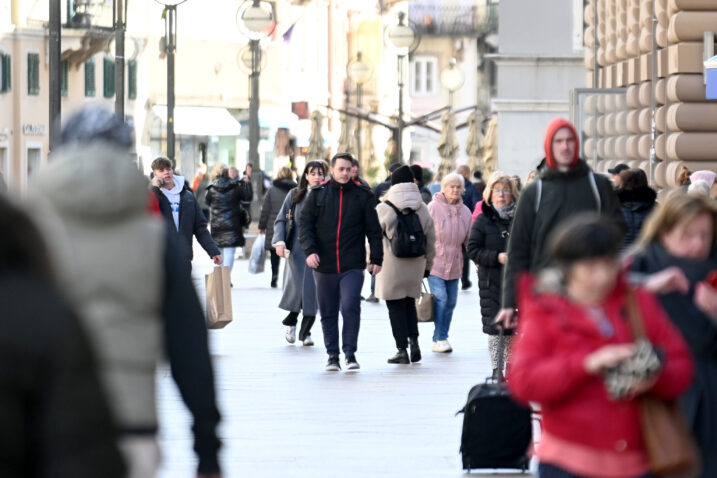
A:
200,120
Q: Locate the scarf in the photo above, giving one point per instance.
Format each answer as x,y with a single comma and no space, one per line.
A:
506,212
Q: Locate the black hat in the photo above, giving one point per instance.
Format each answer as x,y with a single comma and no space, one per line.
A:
402,175
393,167
618,169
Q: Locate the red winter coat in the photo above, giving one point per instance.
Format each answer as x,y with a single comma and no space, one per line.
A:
554,337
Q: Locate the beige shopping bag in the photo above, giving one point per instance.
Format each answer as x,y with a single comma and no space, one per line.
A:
219,298
424,305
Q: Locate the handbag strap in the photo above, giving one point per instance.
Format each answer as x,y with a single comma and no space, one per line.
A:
425,289
634,316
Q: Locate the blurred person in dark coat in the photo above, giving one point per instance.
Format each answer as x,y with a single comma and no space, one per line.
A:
54,417
273,201
124,272
227,217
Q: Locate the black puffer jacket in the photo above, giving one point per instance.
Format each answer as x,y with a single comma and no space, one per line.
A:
273,201
488,238
334,224
226,215
636,205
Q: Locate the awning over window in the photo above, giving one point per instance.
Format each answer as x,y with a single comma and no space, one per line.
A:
200,120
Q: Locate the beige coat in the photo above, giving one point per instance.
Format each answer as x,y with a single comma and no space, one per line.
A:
401,277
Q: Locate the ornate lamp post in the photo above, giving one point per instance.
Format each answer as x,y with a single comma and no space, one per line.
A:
360,71
170,30
255,19
452,78
405,39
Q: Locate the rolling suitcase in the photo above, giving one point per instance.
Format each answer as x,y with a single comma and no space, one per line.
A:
497,431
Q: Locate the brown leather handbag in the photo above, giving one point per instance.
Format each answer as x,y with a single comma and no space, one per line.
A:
671,449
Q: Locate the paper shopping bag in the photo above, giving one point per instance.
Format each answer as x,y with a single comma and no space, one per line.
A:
219,298
424,306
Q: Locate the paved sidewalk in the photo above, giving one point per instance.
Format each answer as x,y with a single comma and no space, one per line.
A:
283,415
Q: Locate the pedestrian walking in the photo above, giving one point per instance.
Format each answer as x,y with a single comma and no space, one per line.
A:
575,339
227,216
199,186
55,420
273,201
486,247
338,217
566,186
138,302
470,198
637,201
452,220
676,258
299,294
181,212
399,283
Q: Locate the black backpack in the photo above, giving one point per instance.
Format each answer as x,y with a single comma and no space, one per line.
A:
409,239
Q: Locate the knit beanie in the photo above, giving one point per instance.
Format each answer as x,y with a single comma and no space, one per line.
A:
703,175
402,175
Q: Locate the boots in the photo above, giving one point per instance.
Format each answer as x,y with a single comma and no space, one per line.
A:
400,357
415,349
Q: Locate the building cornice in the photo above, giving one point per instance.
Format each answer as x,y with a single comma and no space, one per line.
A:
534,60
505,105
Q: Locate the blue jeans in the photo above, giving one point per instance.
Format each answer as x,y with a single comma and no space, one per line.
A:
546,470
228,257
446,294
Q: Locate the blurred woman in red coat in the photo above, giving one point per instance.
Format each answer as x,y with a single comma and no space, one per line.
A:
574,333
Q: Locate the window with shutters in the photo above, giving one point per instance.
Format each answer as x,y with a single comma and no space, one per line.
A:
90,89
64,77
424,76
33,74
109,78
5,73
132,80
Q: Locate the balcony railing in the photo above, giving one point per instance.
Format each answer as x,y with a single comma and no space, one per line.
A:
456,18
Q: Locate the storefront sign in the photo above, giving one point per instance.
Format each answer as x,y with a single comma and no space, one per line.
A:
33,129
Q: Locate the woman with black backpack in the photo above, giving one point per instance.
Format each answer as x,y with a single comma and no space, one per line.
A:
408,251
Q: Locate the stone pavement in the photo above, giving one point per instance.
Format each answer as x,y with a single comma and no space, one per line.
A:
283,415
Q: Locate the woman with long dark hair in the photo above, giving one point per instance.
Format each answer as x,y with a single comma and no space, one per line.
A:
299,285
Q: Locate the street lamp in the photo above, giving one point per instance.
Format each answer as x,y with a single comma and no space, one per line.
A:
119,23
452,78
255,19
405,39
360,71
170,44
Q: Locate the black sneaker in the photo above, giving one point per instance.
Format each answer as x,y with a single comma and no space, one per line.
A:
351,363
333,365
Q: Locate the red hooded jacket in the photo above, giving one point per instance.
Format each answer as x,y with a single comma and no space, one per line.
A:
555,336
553,128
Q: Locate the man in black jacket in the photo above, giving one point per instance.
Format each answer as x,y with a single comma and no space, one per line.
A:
338,215
182,212
566,187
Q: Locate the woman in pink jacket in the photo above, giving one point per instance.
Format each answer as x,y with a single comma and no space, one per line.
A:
453,223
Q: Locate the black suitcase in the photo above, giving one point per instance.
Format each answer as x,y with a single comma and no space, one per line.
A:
497,431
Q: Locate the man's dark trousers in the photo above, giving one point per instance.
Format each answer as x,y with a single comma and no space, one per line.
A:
340,292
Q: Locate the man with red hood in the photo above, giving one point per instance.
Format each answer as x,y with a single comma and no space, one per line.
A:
566,187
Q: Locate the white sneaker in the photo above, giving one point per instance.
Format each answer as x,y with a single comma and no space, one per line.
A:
308,341
290,334
442,346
